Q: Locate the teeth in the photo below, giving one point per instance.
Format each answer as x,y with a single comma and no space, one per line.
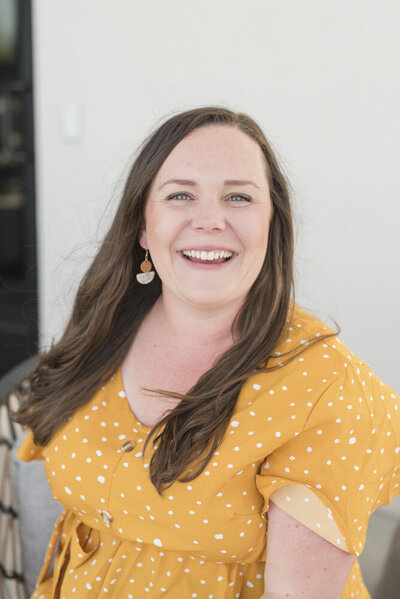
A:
202,255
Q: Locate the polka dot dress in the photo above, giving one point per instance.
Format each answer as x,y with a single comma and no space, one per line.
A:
320,436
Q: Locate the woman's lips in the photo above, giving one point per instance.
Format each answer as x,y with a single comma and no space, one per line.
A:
206,264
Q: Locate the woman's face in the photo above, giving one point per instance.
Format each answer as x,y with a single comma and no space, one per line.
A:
210,195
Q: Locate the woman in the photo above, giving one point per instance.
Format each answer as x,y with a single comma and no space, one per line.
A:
181,399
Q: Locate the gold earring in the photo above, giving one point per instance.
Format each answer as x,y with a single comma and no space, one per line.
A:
147,275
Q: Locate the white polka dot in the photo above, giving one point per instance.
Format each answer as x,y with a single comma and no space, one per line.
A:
101,479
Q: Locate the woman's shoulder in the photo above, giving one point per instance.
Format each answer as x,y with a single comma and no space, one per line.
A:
311,349
303,326
309,337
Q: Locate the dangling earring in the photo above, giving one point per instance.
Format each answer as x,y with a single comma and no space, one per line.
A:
147,275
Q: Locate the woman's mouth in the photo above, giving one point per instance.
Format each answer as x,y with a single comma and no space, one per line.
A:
207,258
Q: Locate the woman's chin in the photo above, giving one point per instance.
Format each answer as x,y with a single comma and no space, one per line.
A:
211,301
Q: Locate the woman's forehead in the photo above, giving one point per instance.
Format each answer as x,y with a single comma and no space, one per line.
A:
217,151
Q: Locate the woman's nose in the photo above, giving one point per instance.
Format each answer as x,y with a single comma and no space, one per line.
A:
208,216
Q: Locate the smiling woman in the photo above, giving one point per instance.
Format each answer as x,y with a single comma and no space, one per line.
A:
207,436
212,217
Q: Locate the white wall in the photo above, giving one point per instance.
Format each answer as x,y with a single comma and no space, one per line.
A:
320,77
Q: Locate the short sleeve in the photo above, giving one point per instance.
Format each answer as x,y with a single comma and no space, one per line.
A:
344,464
28,450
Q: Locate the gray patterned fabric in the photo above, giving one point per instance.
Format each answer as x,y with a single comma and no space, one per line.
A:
37,512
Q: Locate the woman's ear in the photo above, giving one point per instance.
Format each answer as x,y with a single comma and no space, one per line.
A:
143,239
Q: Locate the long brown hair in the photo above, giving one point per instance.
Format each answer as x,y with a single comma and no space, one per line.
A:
110,306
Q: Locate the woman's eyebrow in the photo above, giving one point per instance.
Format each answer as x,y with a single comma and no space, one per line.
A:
227,182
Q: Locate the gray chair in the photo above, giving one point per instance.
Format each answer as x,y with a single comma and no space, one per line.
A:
37,513
377,561
388,586
28,502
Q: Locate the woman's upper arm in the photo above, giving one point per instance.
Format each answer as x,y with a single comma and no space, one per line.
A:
301,564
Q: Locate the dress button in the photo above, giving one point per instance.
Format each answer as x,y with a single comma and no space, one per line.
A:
128,446
107,517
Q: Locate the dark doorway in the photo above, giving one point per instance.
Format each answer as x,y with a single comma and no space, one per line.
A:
18,273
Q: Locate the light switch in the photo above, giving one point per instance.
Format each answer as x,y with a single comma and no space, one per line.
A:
72,122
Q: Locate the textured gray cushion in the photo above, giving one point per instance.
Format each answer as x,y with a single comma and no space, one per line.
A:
389,585
37,512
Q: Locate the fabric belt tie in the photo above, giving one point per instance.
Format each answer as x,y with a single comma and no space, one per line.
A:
80,544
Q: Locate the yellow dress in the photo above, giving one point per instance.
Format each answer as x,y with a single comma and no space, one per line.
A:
321,433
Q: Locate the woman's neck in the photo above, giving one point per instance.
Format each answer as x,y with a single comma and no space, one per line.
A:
193,327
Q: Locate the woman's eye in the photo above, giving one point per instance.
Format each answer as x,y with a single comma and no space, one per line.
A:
179,196
239,198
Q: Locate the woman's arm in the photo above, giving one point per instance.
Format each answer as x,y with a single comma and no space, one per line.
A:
301,564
